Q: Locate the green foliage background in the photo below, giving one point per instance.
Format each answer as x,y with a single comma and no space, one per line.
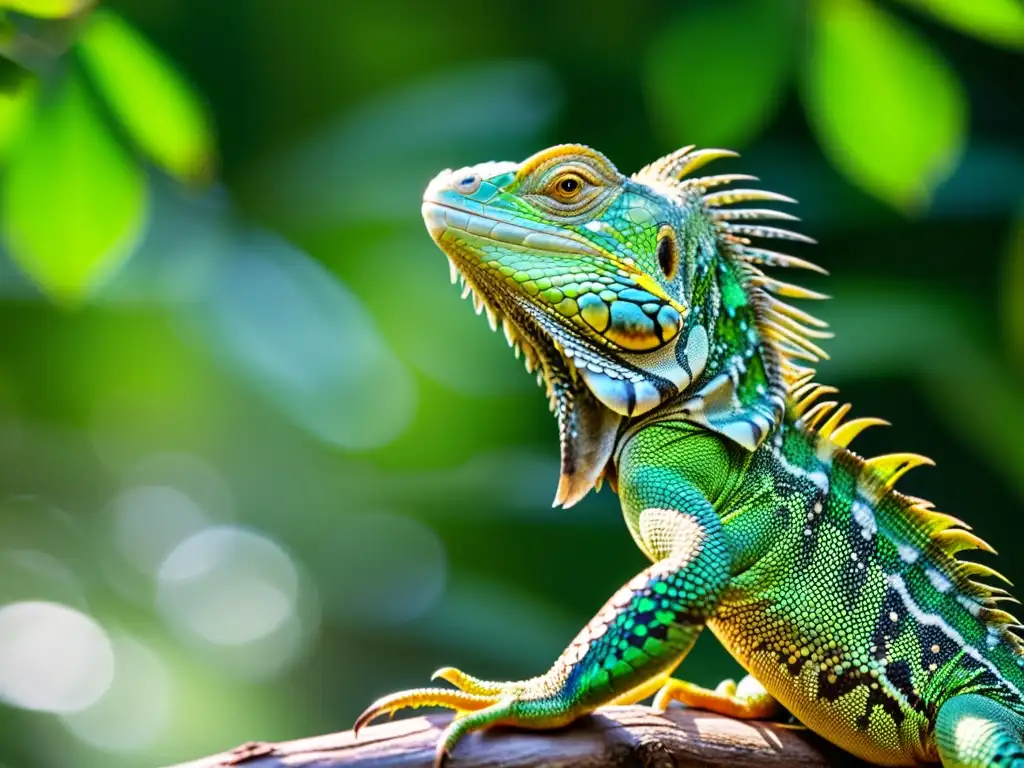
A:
255,454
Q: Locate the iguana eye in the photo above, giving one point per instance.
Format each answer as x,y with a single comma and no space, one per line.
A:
668,252
567,187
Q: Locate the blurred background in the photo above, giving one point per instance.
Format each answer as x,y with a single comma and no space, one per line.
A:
259,464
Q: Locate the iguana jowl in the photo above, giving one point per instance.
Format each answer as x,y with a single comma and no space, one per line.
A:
678,373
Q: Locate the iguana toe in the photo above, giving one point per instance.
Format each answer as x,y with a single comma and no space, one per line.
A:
458,701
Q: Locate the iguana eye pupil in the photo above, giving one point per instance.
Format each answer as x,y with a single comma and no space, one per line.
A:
668,253
567,187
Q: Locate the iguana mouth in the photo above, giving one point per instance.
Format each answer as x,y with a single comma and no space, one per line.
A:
548,347
517,319
531,332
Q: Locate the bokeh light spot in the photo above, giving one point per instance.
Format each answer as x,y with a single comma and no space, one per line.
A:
295,333
149,521
52,658
227,585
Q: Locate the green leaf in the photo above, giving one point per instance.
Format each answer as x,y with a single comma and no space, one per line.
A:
716,74
996,21
887,109
73,202
48,9
154,103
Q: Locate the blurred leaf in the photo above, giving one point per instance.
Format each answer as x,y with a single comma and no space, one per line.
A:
391,146
16,100
888,110
157,107
73,202
716,75
282,322
996,21
1013,285
50,9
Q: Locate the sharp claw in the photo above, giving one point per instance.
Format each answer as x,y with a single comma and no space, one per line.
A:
422,697
440,755
379,708
368,716
446,674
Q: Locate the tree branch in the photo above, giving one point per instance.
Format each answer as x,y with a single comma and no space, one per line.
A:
614,736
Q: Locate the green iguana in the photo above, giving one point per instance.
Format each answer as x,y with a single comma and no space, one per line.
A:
679,375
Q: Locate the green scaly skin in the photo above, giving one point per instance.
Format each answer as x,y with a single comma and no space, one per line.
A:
677,373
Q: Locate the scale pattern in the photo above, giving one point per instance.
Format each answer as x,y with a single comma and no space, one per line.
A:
679,372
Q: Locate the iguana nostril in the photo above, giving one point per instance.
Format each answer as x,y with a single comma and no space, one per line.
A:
466,181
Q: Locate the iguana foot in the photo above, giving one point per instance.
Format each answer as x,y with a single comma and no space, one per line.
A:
477,704
747,701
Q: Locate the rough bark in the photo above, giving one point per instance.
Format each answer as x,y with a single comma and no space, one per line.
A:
615,736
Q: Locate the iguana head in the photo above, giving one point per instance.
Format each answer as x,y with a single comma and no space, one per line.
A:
626,293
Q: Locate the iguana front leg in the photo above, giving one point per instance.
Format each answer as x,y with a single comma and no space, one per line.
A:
626,651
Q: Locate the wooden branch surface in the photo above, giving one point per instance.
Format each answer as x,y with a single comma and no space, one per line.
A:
614,736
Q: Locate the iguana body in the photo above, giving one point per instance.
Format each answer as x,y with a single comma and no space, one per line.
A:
677,374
